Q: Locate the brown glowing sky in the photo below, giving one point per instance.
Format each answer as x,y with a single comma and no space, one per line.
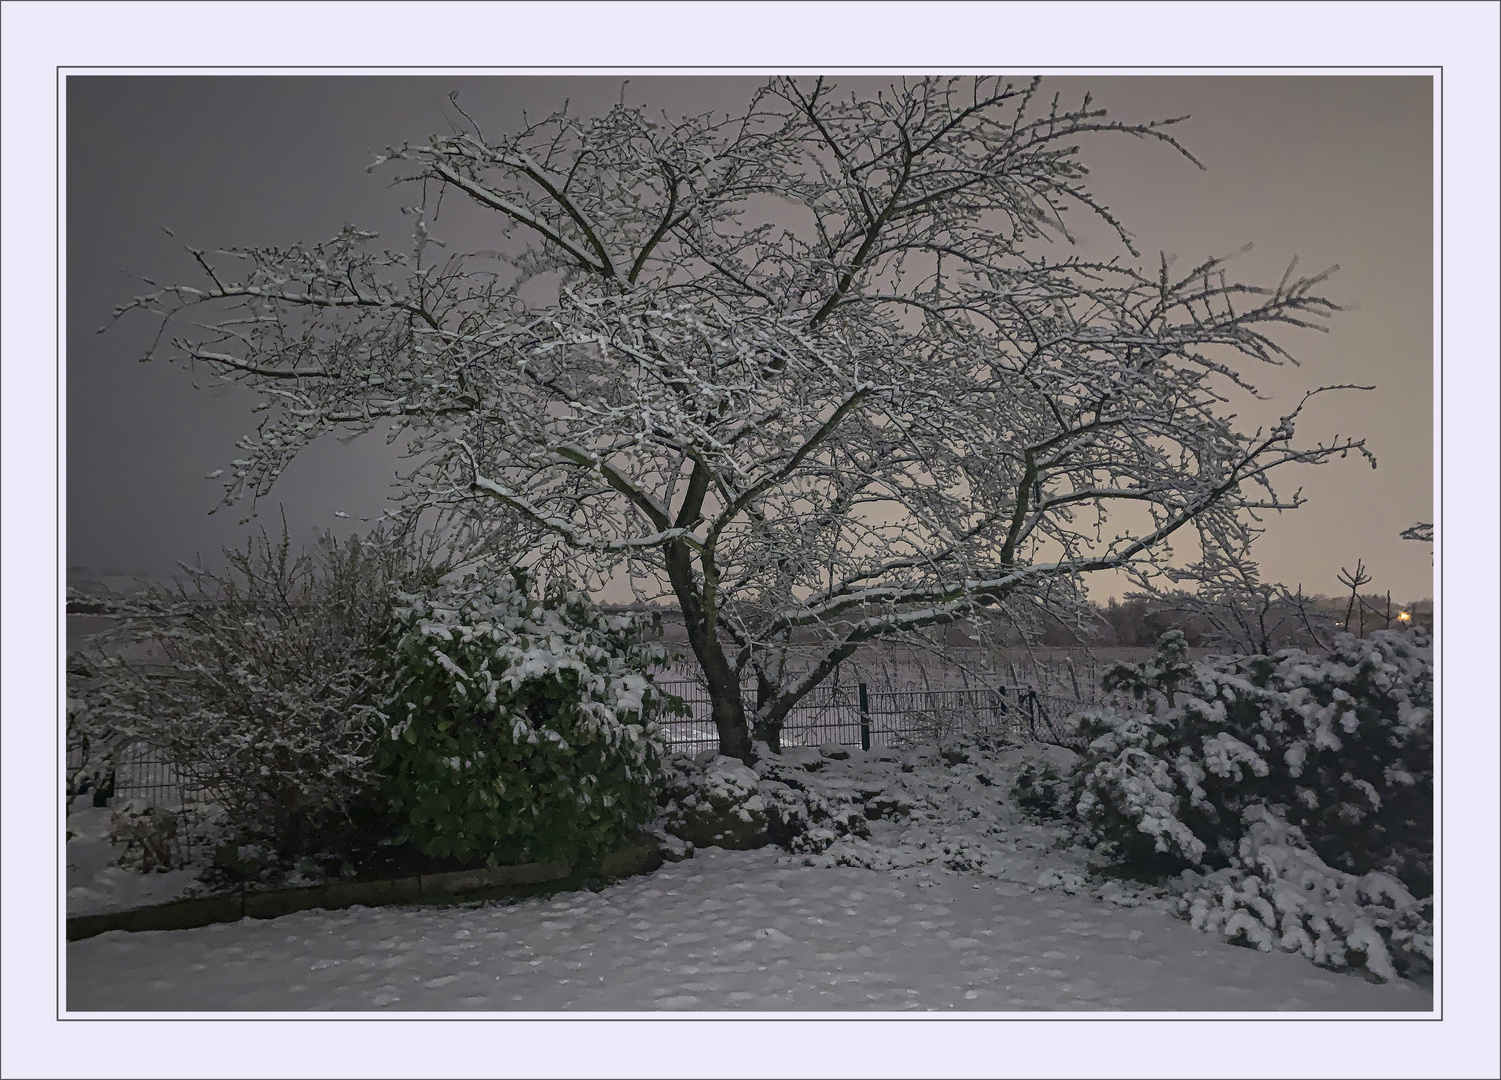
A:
1328,169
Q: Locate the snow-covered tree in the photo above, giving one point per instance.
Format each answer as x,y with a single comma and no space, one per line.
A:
813,372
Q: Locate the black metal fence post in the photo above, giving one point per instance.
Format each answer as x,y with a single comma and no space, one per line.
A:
864,718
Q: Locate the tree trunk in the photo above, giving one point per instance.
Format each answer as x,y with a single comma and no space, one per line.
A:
728,710
725,703
769,724
721,679
769,733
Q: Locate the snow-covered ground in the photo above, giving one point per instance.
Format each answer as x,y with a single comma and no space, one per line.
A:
96,883
952,900
751,930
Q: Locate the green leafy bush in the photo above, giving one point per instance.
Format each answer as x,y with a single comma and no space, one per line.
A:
519,729
1341,747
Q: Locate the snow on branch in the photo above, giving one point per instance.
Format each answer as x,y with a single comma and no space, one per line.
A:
819,372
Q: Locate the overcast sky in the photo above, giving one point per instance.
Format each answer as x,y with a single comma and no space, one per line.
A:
1329,169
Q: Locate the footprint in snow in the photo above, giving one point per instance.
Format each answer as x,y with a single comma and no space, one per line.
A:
771,933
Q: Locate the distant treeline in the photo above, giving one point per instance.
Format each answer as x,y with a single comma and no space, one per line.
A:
1293,620
1255,624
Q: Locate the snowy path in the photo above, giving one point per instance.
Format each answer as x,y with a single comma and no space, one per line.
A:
721,931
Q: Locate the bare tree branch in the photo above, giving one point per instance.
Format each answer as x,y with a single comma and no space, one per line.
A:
814,373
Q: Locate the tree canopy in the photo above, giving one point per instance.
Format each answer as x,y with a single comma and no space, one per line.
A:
822,372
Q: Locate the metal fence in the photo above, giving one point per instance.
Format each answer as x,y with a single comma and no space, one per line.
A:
145,773
860,716
846,715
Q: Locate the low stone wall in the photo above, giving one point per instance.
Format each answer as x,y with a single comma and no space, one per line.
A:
639,858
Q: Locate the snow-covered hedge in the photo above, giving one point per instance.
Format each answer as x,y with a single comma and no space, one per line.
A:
519,729
1278,894
258,685
1302,786
1341,746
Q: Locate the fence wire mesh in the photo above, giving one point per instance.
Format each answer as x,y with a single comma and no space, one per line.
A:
145,773
889,718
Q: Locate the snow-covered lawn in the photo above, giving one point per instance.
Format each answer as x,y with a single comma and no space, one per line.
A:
919,884
752,930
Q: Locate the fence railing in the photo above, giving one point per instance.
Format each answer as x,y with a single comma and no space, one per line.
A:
860,716
145,772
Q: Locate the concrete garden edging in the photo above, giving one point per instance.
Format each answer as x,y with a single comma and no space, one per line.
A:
638,858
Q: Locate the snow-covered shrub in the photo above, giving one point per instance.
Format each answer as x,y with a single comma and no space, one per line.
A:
717,803
1158,675
1356,739
258,685
1130,799
519,729
1278,894
1041,790
1041,780
809,808
145,835
1341,745
915,815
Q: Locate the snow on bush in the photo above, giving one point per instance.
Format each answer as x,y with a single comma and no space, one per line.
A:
1304,784
1131,795
519,729
1278,894
717,803
916,813
1342,745
258,686
1357,740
